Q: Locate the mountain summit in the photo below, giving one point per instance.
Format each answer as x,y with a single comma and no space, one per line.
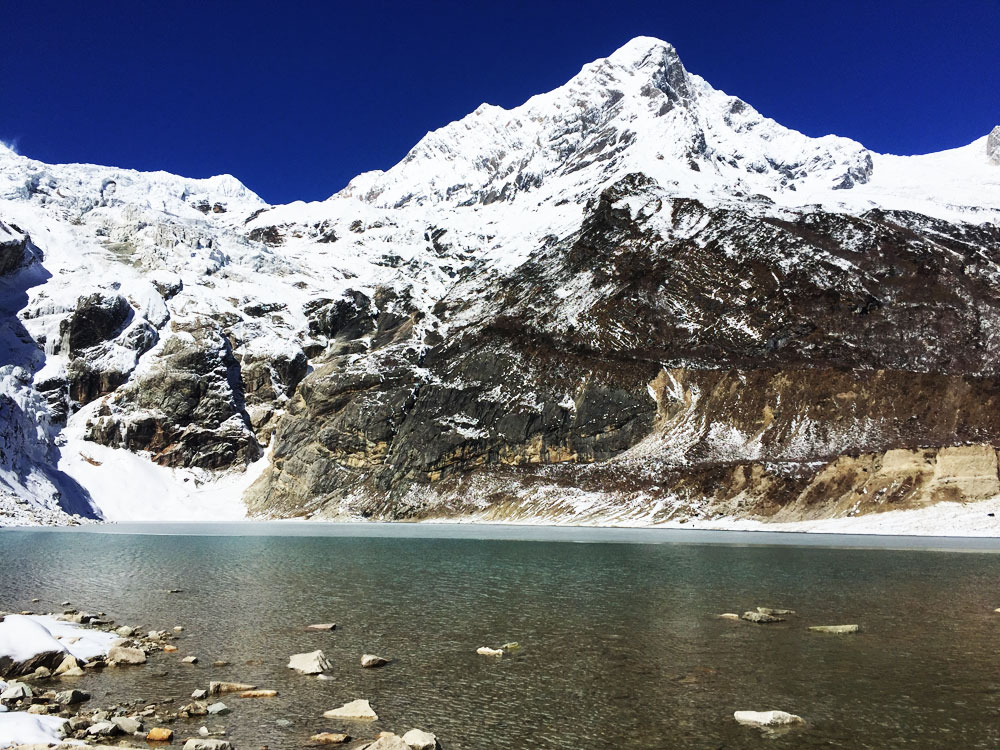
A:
630,299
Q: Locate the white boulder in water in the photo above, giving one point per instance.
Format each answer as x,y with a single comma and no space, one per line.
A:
359,709
313,662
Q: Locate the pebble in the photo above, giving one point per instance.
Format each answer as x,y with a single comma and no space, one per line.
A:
199,694
487,651
258,694
190,660
218,709
322,626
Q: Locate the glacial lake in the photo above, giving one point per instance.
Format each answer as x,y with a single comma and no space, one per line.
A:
621,646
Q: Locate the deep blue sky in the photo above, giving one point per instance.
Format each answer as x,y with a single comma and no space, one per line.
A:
295,99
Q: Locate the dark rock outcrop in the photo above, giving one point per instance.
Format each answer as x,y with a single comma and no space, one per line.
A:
737,354
187,409
98,317
13,246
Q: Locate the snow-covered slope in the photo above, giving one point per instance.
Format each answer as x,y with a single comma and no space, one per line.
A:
160,331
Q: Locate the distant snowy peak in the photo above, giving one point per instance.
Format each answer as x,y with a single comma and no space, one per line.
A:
636,110
640,110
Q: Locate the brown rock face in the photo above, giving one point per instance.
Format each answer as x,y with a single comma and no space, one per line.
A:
671,361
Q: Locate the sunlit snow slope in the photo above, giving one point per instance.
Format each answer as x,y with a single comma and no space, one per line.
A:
536,313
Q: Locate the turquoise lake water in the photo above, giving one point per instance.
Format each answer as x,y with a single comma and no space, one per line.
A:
621,646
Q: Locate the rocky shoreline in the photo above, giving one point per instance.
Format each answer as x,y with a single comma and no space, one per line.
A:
41,708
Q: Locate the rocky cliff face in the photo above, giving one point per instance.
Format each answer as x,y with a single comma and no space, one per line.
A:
632,298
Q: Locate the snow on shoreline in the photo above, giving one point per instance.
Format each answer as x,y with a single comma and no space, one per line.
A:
20,728
25,636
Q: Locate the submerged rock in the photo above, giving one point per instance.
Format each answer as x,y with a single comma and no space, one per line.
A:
258,694
487,651
357,709
322,626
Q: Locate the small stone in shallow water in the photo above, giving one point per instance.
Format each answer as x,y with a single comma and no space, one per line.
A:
359,709
388,741
220,663
761,617
196,743
125,631
835,628
71,697
417,739
160,734
330,738
190,660
127,725
217,688
199,694
178,628
258,694
775,611
322,626
218,709
370,661
487,651
729,616
125,655
512,646
767,718
169,649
